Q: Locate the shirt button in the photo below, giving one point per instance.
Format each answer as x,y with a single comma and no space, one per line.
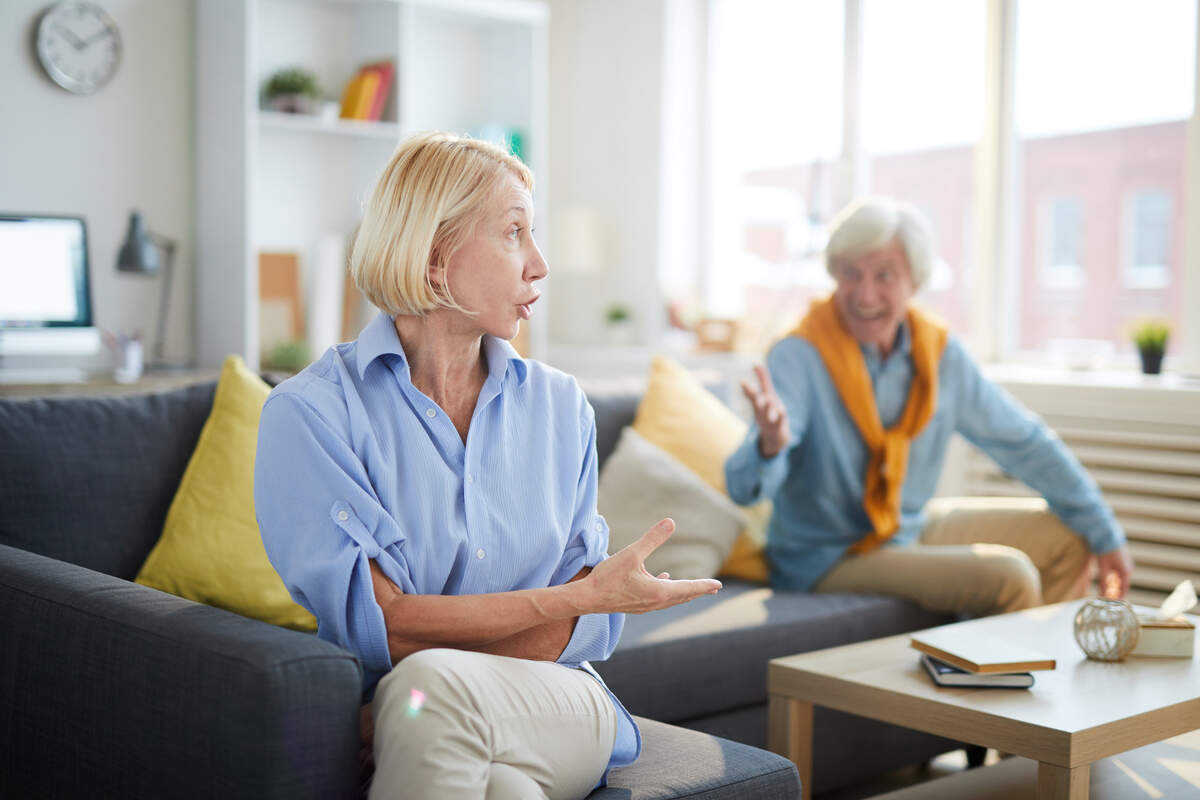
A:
470,478
343,516
598,526
431,413
479,553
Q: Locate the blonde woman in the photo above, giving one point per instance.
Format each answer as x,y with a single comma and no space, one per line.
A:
431,497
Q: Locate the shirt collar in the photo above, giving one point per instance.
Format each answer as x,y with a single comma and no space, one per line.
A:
379,339
902,345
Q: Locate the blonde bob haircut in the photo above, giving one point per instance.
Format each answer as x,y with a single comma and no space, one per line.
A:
873,222
423,208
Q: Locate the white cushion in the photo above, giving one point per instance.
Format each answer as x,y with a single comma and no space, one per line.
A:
641,483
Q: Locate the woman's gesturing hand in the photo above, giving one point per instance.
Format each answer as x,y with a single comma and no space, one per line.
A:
621,583
769,413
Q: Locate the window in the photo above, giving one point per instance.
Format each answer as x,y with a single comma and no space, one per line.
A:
1045,139
1149,236
922,114
1062,266
1092,131
776,98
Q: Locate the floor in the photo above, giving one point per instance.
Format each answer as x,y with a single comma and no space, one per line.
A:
945,764
1165,770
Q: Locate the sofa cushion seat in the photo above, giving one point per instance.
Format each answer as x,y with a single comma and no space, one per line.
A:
710,655
677,763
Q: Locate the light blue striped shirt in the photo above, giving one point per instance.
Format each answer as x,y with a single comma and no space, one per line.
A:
355,463
817,481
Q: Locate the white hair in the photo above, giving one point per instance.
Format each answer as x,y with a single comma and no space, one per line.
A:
871,223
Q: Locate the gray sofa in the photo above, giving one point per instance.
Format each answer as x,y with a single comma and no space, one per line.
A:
109,688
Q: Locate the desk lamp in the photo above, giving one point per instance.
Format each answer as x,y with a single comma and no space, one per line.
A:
140,254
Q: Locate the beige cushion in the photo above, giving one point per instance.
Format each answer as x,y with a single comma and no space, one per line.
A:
686,420
641,483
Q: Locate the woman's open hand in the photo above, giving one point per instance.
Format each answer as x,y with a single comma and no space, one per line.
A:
621,583
769,412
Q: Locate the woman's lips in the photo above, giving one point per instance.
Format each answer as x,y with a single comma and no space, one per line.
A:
524,308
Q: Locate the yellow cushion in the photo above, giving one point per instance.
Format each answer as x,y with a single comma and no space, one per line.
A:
683,418
211,550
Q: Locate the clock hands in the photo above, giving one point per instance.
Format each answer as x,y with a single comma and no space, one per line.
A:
69,34
101,34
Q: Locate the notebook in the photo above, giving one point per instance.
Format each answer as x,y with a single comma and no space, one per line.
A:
945,675
975,651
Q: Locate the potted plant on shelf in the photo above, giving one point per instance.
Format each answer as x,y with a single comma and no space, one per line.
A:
620,324
293,90
1150,337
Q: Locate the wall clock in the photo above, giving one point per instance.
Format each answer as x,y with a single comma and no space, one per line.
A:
79,46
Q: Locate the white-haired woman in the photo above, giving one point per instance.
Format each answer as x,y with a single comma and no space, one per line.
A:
853,415
430,497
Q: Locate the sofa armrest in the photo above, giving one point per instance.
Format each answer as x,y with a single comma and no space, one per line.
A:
109,688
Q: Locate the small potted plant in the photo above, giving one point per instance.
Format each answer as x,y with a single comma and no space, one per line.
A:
620,324
1150,337
293,90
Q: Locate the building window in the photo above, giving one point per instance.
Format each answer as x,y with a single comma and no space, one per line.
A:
1149,234
1062,267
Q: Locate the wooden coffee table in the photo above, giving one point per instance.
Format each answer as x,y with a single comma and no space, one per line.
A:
1076,714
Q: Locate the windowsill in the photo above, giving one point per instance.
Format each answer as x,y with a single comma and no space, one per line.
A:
1113,378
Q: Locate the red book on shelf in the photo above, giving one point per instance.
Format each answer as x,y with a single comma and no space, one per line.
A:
385,70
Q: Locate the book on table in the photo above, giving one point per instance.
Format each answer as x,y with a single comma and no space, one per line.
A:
946,675
979,652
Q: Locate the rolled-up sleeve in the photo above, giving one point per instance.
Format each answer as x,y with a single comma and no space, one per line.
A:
1025,447
595,635
322,524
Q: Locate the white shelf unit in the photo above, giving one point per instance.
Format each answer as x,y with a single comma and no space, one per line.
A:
270,181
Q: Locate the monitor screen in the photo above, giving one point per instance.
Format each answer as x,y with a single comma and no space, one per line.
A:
44,272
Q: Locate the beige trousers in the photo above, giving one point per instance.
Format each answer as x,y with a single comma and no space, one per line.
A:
456,724
977,555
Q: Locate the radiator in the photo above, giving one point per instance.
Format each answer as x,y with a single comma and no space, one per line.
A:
1140,439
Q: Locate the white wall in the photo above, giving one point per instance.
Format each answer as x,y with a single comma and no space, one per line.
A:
605,120
127,146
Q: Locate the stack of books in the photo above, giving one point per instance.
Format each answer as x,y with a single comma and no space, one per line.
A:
366,94
954,657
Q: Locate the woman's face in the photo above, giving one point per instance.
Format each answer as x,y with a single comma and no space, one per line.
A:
494,271
872,294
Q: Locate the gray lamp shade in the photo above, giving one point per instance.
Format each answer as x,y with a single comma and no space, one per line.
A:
138,251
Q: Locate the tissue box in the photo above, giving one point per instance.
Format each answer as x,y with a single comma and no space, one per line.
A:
1173,638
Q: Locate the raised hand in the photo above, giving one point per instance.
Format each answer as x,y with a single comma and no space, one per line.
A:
621,583
769,413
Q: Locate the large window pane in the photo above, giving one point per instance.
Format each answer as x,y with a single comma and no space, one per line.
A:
775,93
1103,93
923,96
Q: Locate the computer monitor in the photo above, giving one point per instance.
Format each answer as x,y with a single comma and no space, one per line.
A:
45,290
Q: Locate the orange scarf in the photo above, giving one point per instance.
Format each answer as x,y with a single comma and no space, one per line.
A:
822,327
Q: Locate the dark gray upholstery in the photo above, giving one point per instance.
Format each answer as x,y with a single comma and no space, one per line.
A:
677,663
613,412
89,480
679,763
111,689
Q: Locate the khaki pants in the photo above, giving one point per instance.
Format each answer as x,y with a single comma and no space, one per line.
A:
486,726
977,555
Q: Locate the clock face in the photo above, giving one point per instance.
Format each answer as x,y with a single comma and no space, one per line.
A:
79,46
